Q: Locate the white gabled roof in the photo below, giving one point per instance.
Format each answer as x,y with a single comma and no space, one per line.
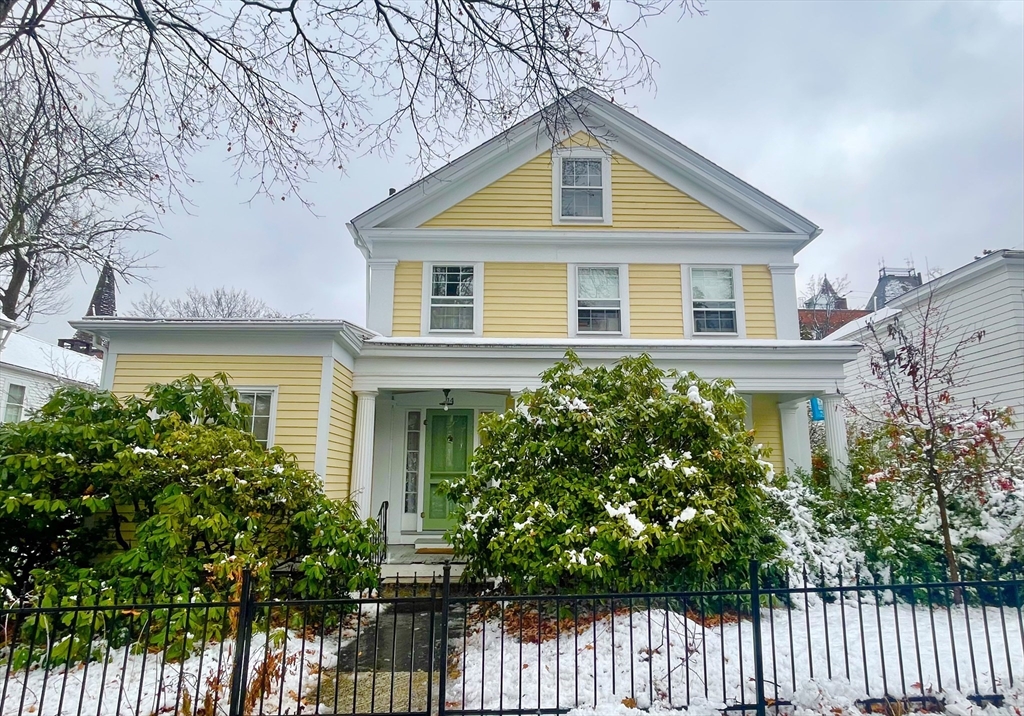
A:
28,353
625,133
947,282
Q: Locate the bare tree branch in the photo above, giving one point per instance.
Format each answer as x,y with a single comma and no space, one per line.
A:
218,303
62,179
286,87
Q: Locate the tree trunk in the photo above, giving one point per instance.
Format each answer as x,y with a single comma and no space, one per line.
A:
947,539
12,292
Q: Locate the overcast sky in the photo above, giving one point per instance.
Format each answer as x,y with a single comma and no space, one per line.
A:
898,127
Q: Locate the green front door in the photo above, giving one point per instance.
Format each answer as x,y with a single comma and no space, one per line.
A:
449,446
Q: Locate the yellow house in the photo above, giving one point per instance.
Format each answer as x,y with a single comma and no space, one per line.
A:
603,235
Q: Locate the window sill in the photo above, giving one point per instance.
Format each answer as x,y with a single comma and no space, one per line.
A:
715,335
598,334
582,220
456,331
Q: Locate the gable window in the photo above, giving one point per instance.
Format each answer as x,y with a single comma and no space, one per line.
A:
452,298
598,300
713,292
261,401
581,184
582,189
14,407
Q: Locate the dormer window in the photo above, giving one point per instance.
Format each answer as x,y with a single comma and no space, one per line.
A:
582,187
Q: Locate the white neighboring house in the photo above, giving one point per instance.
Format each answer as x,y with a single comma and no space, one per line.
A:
30,369
986,294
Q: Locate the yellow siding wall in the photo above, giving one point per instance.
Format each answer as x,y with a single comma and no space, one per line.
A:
408,298
655,301
768,427
339,438
759,304
525,299
297,379
522,199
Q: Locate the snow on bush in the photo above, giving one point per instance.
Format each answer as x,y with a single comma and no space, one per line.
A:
606,478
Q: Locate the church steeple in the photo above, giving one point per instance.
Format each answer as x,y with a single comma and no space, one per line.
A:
103,303
104,298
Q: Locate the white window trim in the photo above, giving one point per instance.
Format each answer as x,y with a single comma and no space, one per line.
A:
7,402
273,390
737,282
574,301
556,185
478,300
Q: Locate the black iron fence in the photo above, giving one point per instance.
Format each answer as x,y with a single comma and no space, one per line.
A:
443,648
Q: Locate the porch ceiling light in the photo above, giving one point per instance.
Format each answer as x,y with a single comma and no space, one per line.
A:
448,399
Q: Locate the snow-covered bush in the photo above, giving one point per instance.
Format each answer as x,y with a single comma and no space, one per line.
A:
878,523
606,478
164,498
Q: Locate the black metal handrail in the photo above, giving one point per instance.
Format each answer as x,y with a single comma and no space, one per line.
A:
381,540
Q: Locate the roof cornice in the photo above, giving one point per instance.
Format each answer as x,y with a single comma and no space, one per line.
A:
585,237
348,334
554,348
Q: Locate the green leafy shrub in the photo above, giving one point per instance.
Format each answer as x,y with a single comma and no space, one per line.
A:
605,478
203,499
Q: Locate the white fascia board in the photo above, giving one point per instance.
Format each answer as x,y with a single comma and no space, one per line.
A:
530,131
758,371
236,343
660,143
107,326
681,349
585,245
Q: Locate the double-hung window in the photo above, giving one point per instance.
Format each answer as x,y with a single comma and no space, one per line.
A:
714,300
598,300
582,188
261,403
452,297
14,407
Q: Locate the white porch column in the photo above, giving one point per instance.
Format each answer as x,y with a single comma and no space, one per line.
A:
835,434
787,319
796,442
362,450
380,295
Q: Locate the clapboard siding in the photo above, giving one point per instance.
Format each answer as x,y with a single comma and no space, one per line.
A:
758,302
992,301
522,199
525,300
408,298
337,481
297,379
655,301
768,426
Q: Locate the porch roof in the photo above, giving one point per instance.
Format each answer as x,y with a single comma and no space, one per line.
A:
782,366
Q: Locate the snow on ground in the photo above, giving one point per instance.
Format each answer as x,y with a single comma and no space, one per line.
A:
665,660
290,668
140,684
